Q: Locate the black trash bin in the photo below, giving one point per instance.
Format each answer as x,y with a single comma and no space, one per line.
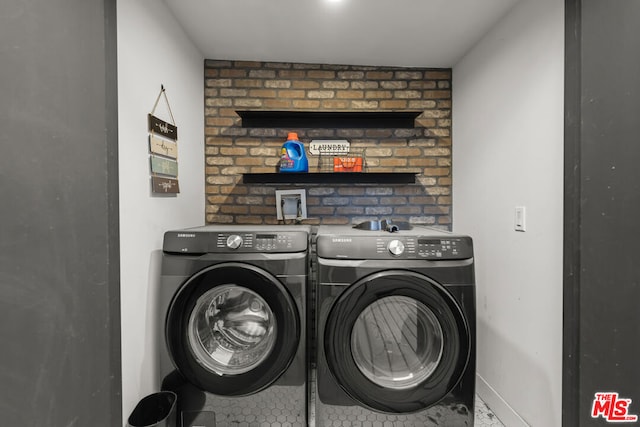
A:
155,410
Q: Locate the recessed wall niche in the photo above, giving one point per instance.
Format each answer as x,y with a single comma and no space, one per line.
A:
233,149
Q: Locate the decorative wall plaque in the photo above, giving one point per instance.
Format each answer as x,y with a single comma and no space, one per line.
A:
163,151
164,185
163,147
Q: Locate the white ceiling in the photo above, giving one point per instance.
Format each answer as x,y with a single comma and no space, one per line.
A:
405,33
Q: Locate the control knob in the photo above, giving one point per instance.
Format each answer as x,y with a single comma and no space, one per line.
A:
395,247
234,241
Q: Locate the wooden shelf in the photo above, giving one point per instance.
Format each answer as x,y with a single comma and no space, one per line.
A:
330,178
328,119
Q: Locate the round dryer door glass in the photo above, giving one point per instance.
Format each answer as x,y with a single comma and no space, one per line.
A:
231,330
397,342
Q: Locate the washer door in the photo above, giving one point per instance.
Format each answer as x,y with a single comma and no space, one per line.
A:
396,341
232,329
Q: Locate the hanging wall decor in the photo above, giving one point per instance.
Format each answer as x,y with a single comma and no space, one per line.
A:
163,151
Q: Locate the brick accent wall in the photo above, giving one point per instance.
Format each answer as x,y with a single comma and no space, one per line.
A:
232,150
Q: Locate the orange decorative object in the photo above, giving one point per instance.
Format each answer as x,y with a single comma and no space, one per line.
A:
347,164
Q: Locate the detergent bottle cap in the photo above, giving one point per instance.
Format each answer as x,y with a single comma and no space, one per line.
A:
292,136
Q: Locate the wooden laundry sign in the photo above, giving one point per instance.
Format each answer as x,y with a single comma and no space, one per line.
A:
163,147
164,185
162,166
163,151
160,127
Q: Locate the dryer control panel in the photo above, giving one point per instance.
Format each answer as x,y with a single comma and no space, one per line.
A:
394,247
450,248
185,242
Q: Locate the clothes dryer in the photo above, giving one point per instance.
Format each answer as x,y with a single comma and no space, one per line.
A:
232,303
395,327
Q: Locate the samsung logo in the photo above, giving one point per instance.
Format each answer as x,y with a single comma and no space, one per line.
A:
341,240
186,235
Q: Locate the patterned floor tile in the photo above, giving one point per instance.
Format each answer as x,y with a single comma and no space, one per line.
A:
483,415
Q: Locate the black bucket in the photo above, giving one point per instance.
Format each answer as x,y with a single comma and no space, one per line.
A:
155,410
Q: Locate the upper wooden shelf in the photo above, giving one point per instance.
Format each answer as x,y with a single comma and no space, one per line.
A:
328,119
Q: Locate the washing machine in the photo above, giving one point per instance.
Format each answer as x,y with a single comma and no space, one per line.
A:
232,305
395,327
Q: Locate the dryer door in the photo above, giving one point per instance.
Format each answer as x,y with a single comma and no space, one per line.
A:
397,341
232,329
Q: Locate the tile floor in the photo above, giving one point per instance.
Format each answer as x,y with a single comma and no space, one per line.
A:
483,415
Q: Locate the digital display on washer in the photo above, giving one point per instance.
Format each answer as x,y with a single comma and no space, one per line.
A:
266,236
429,241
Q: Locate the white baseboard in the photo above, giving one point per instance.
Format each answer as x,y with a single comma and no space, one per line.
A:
507,415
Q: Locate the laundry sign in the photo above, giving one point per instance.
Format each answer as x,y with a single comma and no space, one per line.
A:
160,127
162,166
164,185
163,147
163,151
329,146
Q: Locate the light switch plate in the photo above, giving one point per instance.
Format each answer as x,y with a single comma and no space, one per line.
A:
520,218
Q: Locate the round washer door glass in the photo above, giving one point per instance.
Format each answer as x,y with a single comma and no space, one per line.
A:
397,342
231,330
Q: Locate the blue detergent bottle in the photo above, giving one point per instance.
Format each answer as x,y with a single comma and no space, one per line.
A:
293,157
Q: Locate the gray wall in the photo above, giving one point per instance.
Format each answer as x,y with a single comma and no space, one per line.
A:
602,206
59,272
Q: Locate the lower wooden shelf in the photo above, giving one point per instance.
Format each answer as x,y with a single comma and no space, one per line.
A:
330,178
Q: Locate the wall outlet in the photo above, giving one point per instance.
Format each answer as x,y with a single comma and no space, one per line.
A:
520,219
291,204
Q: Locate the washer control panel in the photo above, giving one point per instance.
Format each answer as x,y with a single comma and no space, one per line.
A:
258,242
235,241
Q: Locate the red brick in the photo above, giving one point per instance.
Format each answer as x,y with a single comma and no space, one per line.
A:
240,219
423,161
220,219
288,94
291,74
379,75
266,210
305,85
350,94
249,161
438,75
364,105
262,93
277,104
233,72
255,83
306,104
393,104
320,210
407,152
335,104
335,220
321,74
219,121
233,151
234,209
393,162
